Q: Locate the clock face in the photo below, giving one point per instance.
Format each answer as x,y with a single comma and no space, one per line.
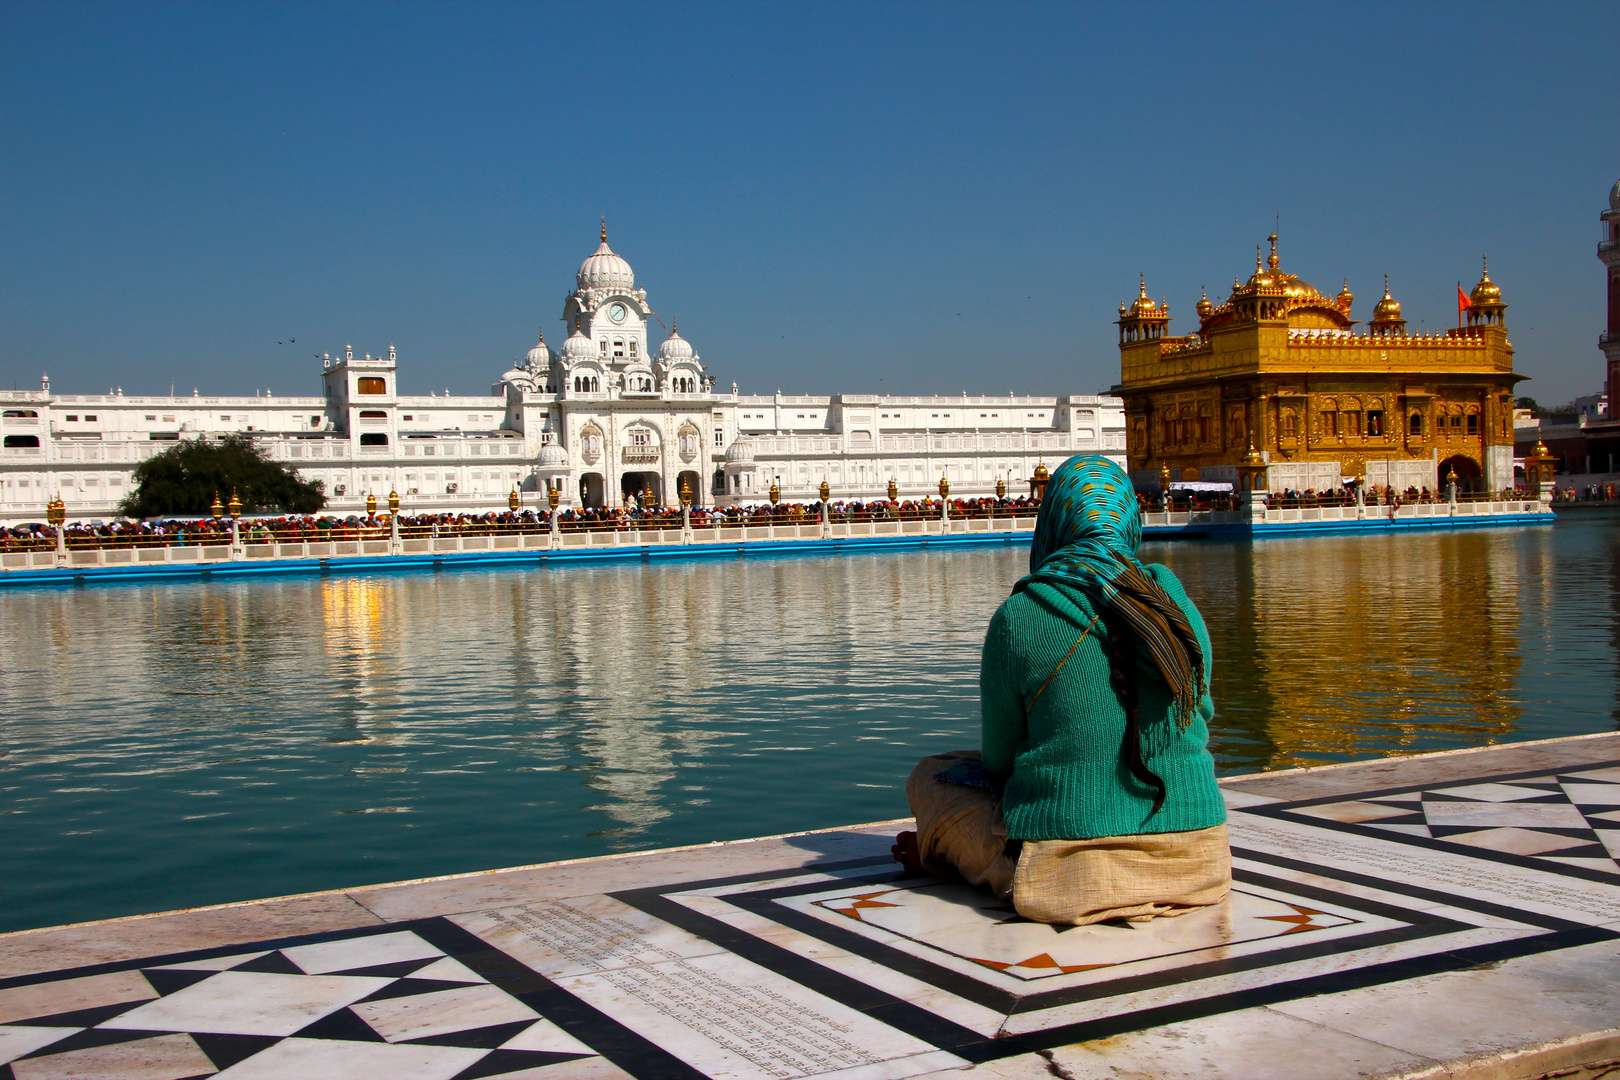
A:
616,313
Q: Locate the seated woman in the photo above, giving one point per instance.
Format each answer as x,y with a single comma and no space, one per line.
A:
1094,796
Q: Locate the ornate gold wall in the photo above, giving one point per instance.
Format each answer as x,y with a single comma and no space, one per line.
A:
1281,364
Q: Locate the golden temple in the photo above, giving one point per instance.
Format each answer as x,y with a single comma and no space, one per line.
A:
1282,364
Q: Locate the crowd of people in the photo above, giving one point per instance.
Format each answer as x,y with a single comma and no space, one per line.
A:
293,529
1588,493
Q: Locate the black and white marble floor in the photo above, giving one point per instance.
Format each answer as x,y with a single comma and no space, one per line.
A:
818,957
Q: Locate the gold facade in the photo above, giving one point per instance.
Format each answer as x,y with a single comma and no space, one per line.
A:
1283,364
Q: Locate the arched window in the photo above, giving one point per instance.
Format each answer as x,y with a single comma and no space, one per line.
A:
596,385
20,441
1415,424
373,414
373,438
20,414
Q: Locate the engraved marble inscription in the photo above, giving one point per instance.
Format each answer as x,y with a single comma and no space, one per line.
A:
778,1036
1399,863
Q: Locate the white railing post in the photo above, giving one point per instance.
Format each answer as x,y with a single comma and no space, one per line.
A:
61,546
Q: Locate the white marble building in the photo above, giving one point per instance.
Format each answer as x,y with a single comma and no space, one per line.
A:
605,416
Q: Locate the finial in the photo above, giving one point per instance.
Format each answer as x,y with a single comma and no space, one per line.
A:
1203,292
1485,267
1273,260
1386,285
675,326
1143,291
542,340
1257,259
576,323
604,230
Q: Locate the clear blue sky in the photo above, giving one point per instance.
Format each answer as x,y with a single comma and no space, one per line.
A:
903,198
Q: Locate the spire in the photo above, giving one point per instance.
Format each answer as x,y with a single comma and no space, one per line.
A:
675,327
1272,262
604,230
1143,287
542,340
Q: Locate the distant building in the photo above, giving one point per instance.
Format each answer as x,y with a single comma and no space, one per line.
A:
1588,444
606,417
1282,364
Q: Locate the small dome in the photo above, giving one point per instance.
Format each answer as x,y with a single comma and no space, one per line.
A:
675,347
1614,197
518,377
1388,309
1486,292
578,346
604,270
539,357
1205,308
553,456
1144,305
740,452
1345,297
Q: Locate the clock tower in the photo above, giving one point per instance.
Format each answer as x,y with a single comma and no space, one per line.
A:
607,308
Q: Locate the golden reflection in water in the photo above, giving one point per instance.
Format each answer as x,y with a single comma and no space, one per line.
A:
1349,646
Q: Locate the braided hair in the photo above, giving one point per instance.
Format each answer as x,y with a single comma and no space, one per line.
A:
1120,646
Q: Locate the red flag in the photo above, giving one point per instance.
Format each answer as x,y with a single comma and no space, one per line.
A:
1462,302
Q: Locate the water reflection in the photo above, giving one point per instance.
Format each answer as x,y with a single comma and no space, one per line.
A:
194,743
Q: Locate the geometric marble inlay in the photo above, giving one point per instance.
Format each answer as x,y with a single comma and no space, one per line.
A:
853,967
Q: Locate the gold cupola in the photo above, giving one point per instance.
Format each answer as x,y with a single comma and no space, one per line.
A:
1485,307
1345,298
1205,308
1387,320
1143,320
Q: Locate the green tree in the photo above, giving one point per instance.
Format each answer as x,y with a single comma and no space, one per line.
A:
184,479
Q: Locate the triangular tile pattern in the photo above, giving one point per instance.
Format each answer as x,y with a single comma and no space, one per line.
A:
1572,819
423,1011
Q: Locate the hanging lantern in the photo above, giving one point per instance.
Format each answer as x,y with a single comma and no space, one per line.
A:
393,503
56,510
894,490
553,497
944,488
236,505
826,491
776,493
216,508
512,501
1001,490
686,493
371,506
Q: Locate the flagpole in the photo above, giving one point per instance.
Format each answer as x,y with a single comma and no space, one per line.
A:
1459,305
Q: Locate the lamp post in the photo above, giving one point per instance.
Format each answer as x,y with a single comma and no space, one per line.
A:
216,507
894,491
1451,486
371,505
685,494
553,497
945,502
826,511
56,514
236,525
1538,474
776,492
1164,484
394,545
513,501
1037,483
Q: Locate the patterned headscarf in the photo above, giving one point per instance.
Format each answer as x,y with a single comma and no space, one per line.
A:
1086,538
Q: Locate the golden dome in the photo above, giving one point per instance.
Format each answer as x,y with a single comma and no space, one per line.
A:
1388,309
1144,306
1346,297
1486,292
1204,306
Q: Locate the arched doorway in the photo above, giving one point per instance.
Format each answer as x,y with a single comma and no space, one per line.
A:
1469,477
645,486
591,491
693,482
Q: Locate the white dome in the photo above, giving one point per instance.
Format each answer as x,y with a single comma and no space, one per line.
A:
1614,196
740,452
539,357
579,347
518,377
675,347
553,456
604,270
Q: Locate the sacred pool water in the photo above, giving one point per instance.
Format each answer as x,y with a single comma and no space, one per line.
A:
174,745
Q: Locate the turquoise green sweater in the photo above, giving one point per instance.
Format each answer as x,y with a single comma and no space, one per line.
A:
1064,775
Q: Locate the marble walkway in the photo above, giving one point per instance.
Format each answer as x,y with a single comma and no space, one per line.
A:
1452,915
